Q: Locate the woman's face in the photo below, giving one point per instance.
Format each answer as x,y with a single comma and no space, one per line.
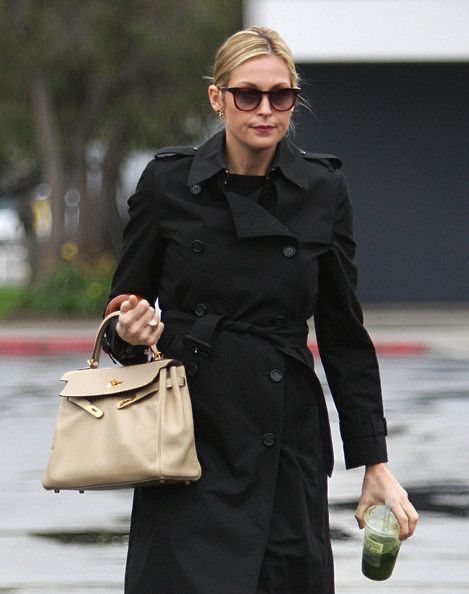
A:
261,128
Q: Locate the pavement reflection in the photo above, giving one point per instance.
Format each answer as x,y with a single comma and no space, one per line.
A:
427,406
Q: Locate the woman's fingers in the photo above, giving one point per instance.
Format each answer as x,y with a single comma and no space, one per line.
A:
130,303
403,521
360,514
407,517
379,485
138,322
132,314
158,332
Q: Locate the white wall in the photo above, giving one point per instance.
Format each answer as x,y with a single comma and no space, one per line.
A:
367,30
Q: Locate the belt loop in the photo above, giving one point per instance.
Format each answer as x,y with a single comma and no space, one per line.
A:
201,334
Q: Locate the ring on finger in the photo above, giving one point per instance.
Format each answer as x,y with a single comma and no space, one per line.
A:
153,323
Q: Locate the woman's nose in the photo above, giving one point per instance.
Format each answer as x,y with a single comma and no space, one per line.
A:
264,106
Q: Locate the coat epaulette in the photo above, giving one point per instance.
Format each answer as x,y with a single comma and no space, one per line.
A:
330,161
175,151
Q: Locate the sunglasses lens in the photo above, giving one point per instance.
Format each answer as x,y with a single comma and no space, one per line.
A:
247,98
283,99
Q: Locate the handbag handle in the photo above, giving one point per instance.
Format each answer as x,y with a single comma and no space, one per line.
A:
93,361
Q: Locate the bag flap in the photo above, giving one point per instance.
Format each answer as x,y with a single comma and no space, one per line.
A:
107,381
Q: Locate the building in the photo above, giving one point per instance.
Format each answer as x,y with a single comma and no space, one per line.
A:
388,82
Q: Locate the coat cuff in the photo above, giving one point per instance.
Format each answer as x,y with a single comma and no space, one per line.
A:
365,450
367,444
121,350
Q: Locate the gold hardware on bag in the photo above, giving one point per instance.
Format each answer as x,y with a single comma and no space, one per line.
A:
156,355
158,392
114,382
127,401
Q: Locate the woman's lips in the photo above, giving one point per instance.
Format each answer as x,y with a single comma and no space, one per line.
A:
263,128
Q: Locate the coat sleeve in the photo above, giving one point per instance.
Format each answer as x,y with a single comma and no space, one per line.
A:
346,350
139,267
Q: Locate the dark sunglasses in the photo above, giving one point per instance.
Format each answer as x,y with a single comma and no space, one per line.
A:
247,99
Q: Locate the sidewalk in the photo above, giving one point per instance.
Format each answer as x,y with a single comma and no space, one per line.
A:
441,329
407,330
51,337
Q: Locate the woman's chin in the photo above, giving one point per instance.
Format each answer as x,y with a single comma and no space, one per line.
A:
265,142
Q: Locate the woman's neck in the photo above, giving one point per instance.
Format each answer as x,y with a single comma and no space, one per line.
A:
248,162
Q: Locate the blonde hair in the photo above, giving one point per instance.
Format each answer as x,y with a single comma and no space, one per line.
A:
247,44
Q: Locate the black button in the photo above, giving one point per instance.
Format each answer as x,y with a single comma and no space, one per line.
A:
289,251
280,320
197,246
196,189
192,369
268,439
200,310
276,375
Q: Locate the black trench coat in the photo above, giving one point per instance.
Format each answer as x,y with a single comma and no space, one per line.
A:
236,278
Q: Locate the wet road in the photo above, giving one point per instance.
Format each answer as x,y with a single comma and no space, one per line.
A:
72,543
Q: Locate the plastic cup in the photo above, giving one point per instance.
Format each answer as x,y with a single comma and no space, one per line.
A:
381,543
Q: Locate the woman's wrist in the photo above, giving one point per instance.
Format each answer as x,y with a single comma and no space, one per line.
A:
377,467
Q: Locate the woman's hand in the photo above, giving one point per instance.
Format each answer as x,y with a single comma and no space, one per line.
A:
138,322
380,484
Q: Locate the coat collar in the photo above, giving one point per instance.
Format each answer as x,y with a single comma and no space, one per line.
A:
209,159
292,179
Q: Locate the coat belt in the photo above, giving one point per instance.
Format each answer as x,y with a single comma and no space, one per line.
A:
199,332
289,338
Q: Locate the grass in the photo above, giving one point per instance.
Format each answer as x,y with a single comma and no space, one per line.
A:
8,298
70,291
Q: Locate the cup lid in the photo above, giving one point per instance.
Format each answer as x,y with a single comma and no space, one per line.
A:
381,520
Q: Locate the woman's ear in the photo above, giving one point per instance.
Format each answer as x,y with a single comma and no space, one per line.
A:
216,98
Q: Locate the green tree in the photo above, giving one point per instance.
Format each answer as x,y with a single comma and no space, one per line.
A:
118,74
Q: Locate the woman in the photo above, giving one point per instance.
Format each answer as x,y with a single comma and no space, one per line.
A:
242,240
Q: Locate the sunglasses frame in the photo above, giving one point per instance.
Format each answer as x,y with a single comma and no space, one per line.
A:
295,90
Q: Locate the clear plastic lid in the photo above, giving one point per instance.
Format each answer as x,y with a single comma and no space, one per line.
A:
381,520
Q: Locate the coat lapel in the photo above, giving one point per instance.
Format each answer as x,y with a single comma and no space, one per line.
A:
251,219
301,213
304,212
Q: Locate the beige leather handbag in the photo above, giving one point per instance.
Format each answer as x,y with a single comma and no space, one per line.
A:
123,427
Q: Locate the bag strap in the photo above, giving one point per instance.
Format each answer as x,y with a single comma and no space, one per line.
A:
93,361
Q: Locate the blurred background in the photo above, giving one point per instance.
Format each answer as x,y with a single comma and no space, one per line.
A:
88,91
87,95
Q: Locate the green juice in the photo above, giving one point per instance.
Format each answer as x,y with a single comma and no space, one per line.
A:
381,571
381,543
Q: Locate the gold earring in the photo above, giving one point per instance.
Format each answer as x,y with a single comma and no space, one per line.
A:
221,113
